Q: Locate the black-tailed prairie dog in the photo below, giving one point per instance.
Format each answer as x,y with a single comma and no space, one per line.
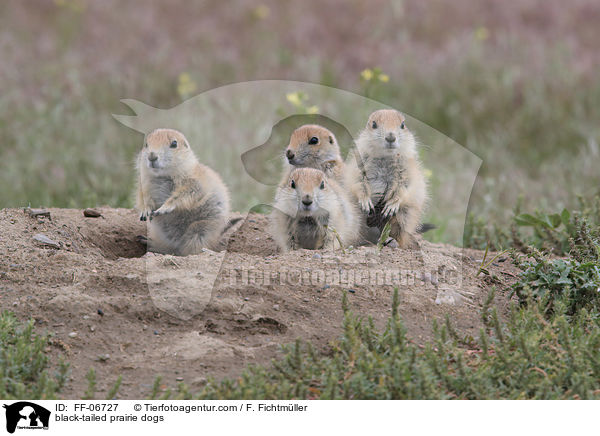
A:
313,146
386,177
312,211
186,203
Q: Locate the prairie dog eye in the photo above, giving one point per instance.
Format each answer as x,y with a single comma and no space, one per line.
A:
402,125
293,185
322,185
374,125
314,140
174,143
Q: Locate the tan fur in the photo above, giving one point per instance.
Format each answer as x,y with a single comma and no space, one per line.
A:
294,225
186,203
324,156
389,175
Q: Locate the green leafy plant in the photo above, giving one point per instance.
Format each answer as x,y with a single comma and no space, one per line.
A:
24,365
577,277
385,234
550,232
485,263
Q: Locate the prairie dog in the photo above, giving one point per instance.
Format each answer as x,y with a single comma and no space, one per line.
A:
186,203
310,209
386,177
313,146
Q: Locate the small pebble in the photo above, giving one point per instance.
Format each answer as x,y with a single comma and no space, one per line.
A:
316,256
73,334
86,317
352,291
45,240
92,328
91,213
37,213
100,312
276,307
104,357
156,332
392,244
246,299
179,379
199,381
326,287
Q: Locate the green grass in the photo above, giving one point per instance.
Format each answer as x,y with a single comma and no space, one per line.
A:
555,232
531,357
24,365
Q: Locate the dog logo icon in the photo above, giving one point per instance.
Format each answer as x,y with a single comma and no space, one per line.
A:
26,415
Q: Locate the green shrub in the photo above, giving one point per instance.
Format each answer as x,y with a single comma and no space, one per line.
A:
530,357
24,369
576,278
550,232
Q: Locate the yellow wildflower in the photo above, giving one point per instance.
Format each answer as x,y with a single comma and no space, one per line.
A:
186,85
482,33
384,78
367,74
261,12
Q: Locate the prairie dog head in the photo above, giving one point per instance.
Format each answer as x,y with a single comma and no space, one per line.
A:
386,131
163,149
312,145
306,192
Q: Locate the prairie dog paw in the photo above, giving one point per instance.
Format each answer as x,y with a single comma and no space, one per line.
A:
163,210
145,215
391,207
366,204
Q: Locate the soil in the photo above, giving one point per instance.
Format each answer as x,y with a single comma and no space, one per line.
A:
110,305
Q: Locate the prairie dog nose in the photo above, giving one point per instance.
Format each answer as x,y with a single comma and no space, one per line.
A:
390,137
152,157
307,201
290,154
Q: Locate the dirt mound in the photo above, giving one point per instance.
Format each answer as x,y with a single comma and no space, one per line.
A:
115,307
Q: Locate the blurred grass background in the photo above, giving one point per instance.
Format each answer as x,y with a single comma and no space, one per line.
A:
516,83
